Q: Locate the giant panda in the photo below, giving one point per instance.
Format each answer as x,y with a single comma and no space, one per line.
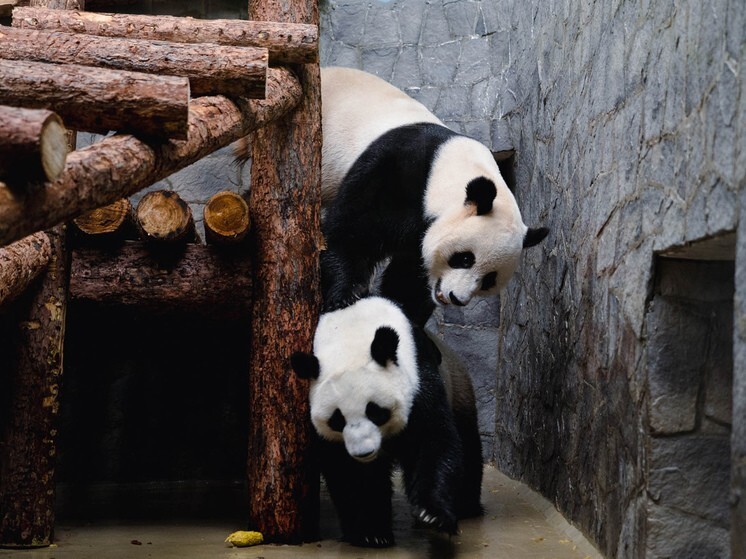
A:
397,183
382,394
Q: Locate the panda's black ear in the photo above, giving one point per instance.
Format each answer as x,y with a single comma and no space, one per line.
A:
383,347
305,365
481,192
534,236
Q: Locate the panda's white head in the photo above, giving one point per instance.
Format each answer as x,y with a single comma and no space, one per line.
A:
474,243
363,373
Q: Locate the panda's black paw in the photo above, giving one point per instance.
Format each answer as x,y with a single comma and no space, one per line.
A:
335,304
442,522
384,539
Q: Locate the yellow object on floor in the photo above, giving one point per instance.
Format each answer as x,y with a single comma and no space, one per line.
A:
244,539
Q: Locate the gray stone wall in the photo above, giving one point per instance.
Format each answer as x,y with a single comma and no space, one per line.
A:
627,126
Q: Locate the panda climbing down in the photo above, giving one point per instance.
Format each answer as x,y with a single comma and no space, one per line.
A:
397,183
380,396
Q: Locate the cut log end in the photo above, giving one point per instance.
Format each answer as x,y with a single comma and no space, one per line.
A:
106,220
54,147
226,218
163,216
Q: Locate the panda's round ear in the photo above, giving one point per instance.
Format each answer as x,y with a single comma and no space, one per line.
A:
383,347
305,365
534,236
481,192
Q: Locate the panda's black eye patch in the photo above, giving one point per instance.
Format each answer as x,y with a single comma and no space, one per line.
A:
377,414
337,421
489,281
463,260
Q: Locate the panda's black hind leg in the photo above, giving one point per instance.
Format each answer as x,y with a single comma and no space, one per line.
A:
470,489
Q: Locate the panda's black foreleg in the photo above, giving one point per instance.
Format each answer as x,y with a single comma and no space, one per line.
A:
405,281
361,494
341,279
469,495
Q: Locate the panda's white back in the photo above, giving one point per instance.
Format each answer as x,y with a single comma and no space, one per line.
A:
357,108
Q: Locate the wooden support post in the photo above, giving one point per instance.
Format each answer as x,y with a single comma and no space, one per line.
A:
99,100
197,278
33,145
211,69
288,43
28,451
121,165
284,201
162,216
20,263
226,218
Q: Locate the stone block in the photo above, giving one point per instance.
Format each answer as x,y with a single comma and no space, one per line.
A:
461,17
348,23
411,16
676,350
407,69
435,30
379,61
381,28
673,534
439,63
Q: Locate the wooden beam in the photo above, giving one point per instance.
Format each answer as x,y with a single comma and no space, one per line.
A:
33,145
284,201
162,216
21,263
226,218
99,100
288,43
121,165
211,69
196,278
28,452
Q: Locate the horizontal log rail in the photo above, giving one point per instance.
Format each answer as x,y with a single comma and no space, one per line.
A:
99,99
287,43
121,165
20,263
211,69
196,278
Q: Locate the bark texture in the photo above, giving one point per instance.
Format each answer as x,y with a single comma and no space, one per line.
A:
226,218
286,42
33,145
284,201
211,69
20,263
28,451
196,278
121,165
99,100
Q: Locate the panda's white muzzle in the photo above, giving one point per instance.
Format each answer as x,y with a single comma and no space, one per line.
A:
362,440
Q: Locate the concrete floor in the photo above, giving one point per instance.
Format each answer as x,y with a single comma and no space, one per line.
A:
518,523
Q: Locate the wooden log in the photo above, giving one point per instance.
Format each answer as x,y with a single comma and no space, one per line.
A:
57,4
33,145
20,263
284,200
107,221
28,451
288,43
226,218
162,216
211,69
99,100
121,165
196,278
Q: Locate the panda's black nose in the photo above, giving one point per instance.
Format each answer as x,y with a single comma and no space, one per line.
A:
455,300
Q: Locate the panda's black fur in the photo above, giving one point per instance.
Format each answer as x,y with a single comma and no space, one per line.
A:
376,214
439,449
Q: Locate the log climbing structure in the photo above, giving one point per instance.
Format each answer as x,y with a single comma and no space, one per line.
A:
173,90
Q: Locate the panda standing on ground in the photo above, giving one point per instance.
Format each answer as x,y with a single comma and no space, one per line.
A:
397,184
381,396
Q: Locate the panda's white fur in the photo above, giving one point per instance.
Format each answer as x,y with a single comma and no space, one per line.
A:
358,109
349,377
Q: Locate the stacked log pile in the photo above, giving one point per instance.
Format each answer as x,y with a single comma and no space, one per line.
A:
172,102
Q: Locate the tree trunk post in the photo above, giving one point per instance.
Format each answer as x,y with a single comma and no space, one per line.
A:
28,450
283,478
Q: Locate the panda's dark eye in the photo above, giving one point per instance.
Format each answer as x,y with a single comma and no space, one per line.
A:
463,260
337,421
489,281
377,414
